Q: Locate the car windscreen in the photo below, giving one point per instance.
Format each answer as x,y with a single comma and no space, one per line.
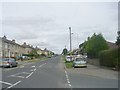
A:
12,60
68,57
78,59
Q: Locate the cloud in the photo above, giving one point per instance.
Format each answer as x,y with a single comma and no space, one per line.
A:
46,24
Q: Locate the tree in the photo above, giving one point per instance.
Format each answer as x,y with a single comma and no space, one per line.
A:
33,53
65,51
95,44
81,45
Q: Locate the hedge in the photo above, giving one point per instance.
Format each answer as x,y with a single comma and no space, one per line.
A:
110,58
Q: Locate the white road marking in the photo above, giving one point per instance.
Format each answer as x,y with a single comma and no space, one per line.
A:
33,70
69,85
29,75
33,66
66,76
19,73
5,82
25,72
68,81
14,84
65,72
42,65
17,76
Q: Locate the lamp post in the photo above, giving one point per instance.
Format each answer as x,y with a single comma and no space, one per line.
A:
70,39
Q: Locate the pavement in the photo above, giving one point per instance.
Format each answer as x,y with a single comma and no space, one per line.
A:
51,73
93,77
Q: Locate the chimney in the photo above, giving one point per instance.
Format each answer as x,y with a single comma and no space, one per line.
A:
4,37
24,43
13,40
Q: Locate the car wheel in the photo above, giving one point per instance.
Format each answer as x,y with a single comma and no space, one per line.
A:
10,66
16,65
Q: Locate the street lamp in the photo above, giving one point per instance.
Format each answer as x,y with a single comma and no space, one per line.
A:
70,39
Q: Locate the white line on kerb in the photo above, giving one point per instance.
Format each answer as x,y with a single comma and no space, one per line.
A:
14,84
29,75
5,82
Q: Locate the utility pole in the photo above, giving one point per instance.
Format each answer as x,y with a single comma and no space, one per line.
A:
70,39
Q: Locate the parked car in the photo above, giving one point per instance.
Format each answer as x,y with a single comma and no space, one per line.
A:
69,58
79,62
8,62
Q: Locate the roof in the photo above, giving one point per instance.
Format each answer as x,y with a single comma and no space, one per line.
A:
4,39
27,46
111,45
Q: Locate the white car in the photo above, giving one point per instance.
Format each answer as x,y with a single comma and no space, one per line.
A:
69,58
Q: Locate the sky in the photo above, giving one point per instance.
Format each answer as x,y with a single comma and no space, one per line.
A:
46,24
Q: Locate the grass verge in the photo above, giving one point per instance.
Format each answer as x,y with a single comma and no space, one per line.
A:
67,64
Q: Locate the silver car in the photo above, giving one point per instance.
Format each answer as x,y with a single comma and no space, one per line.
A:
8,62
79,62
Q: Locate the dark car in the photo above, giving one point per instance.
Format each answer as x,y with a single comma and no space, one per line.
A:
8,62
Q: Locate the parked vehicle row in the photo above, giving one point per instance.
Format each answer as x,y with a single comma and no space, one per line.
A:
78,61
8,62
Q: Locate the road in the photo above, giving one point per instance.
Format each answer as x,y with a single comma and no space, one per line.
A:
52,74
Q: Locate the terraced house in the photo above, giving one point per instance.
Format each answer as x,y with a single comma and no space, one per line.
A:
27,48
9,48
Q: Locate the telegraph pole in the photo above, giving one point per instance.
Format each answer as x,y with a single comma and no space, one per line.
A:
70,39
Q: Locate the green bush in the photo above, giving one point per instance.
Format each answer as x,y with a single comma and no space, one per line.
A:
109,58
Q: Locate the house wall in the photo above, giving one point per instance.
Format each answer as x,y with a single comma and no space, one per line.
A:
11,49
